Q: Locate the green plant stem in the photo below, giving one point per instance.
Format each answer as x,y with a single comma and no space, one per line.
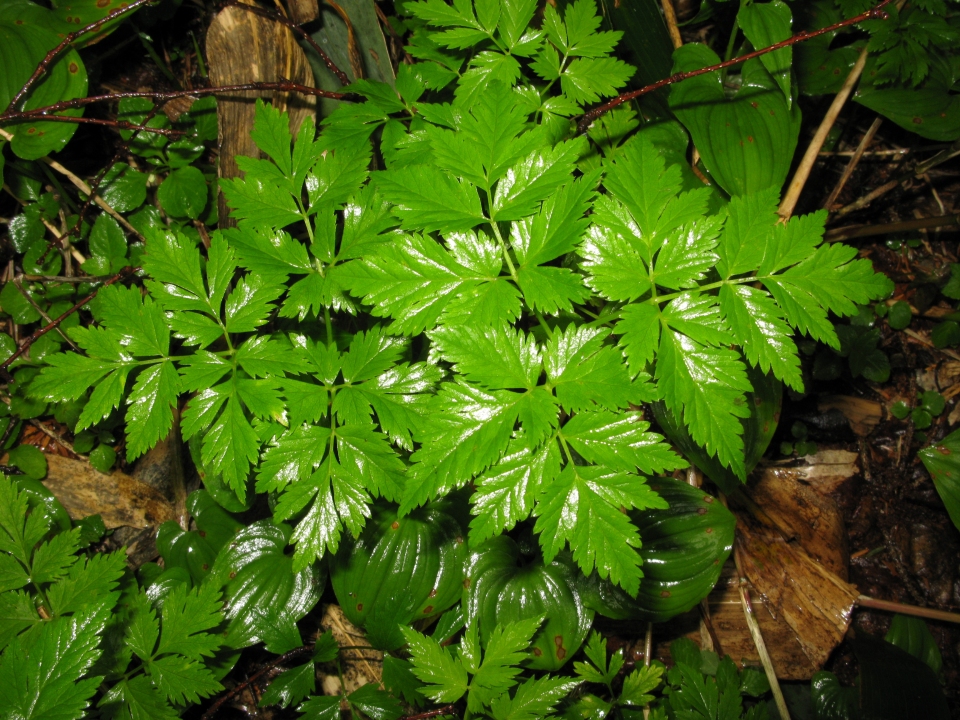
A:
328,323
503,248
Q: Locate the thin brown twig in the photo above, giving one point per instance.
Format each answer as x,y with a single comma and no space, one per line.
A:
287,22
294,654
14,118
854,161
283,86
874,13
27,342
859,231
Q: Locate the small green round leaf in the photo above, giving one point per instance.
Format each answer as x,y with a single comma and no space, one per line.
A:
107,242
26,229
900,410
30,460
14,304
933,402
899,316
946,334
184,193
42,259
921,418
124,188
103,457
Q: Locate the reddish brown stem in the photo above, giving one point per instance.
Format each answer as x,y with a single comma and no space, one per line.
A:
294,654
67,41
445,710
25,344
875,13
14,118
287,22
285,86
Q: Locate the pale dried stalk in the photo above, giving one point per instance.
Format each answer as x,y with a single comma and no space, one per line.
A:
765,659
916,611
671,17
848,170
813,150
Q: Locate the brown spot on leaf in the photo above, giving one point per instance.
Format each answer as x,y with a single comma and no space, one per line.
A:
537,652
665,594
359,607
709,531
428,609
708,498
943,450
394,525
836,71
102,3
702,511
232,575
433,593
917,120
202,533
205,567
466,583
750,138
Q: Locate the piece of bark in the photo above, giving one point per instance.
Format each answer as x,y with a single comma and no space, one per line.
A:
162,469
242,48
303,11
118,498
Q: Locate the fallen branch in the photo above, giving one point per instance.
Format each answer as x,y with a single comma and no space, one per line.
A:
859,231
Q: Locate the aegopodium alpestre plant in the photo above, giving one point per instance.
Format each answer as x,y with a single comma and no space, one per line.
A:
490,309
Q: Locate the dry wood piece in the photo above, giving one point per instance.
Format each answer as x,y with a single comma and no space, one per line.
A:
118,498
243,47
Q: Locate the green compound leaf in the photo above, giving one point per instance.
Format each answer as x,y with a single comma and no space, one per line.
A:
582,506
43,670
444,675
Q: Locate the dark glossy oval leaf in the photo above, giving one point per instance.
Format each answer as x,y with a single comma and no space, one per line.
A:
766,24
22,47
913,635
262,592
399,570
894,685
831,700
683,551
746,141
943,463
501,588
